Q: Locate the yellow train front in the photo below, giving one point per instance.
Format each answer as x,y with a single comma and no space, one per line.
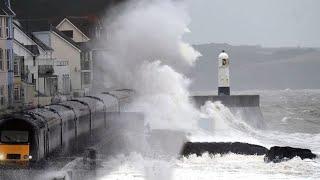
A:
14,148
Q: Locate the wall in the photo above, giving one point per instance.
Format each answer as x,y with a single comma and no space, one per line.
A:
44,37
63,51
230,101
61,68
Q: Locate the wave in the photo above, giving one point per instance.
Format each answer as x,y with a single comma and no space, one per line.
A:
232,127
234,166
205,167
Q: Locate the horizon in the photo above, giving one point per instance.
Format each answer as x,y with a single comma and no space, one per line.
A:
256,45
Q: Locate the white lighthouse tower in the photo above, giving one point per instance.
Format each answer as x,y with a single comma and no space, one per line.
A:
223,75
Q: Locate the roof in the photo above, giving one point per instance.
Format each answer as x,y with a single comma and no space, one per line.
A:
41,44
35,39
83,23
22,45
67,38
84,45
45,25
33,48
35,25
85,28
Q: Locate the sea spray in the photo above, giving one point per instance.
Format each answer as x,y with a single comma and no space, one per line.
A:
223,118
225,126
144,51
229,127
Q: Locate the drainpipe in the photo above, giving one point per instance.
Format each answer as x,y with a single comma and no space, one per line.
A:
10,60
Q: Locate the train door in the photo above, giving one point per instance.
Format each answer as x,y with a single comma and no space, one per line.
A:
46,142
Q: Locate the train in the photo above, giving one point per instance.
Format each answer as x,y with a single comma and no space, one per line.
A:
32,135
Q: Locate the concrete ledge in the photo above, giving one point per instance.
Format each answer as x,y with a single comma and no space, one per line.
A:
229,101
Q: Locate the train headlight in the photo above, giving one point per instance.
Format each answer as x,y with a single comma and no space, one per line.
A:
2,157
27,157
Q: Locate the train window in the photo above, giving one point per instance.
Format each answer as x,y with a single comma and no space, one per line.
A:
14,136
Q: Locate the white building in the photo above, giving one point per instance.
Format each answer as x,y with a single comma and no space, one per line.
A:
82,40
49,76
67,52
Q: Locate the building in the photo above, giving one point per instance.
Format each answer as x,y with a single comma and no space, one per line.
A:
48,62
79,30
68,52
71,40
6,55
86,31
40,82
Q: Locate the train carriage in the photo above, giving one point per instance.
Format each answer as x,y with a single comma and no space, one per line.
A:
68,123
34,134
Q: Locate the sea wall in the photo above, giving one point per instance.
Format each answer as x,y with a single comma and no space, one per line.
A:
229,101
245,106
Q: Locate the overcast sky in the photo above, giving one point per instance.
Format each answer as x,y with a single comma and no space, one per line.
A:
255,22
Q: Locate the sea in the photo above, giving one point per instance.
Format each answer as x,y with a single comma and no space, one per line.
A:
292,118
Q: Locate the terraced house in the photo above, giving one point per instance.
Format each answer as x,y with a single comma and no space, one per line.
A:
42,60
71,57
6,57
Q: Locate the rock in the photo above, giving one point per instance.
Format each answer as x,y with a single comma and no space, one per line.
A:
278,154
199,148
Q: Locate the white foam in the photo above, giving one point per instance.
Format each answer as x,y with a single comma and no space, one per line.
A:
229,166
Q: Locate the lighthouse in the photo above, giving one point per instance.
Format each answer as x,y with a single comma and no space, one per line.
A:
223,74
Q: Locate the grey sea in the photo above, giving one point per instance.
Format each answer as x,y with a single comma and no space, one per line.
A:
292,118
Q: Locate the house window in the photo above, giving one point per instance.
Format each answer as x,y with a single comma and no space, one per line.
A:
86,78
1,26
2,96
21,93
1,91
85,60
1,59
33,79
66,83
16,94
7,28
68,33
16,68
8,54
